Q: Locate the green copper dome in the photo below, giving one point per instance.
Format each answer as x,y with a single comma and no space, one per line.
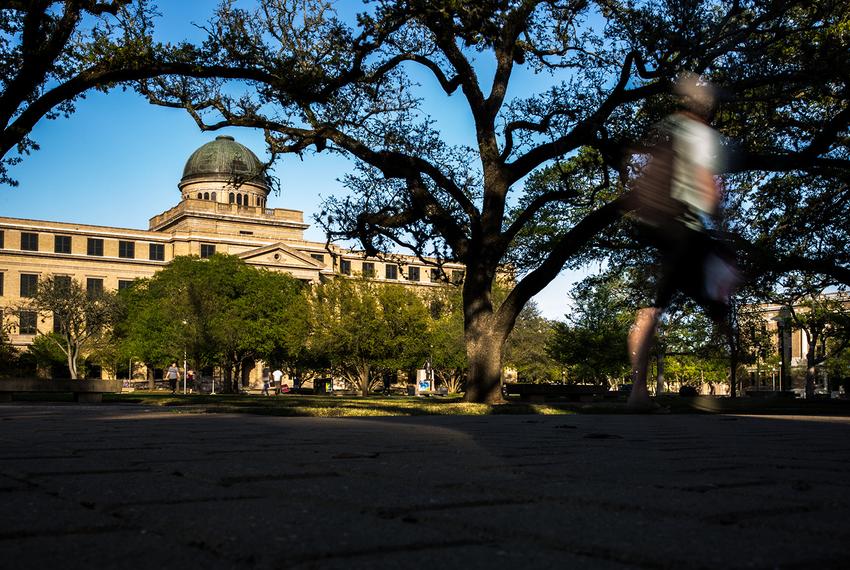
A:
224,157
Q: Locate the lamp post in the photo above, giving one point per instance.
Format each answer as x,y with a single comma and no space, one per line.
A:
782,319
185,368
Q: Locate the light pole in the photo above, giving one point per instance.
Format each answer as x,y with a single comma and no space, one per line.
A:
782,319
184,357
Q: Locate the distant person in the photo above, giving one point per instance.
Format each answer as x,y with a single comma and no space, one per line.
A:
190,381
266,380
277,375
173,375
673,200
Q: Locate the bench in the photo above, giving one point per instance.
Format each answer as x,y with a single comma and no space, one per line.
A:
543,392
86,391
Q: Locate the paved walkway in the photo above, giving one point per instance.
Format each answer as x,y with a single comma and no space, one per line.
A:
120,486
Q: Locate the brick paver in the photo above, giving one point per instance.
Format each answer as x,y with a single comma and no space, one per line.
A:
107,486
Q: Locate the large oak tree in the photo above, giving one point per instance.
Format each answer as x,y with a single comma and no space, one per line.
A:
317,83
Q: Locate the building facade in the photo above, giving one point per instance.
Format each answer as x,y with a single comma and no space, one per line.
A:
222,209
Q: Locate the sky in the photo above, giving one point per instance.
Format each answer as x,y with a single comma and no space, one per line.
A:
117,160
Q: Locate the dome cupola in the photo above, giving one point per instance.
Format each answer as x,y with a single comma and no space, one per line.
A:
225,171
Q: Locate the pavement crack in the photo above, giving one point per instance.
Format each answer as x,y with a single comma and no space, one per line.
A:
735,517
43,533
234,480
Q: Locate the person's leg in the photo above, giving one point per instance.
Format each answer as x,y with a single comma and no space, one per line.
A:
639,343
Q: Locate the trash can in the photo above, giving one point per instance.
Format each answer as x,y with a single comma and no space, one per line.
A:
321,385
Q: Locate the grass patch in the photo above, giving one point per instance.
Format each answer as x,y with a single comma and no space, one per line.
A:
383,406
331,406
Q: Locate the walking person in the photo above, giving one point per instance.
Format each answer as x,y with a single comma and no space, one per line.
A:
672,201
173,375
277,375
266,380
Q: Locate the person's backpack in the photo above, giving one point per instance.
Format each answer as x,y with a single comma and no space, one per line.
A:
650,198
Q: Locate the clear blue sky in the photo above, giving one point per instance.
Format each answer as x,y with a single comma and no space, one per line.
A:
117,160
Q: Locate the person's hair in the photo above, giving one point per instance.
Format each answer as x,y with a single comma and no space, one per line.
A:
696,95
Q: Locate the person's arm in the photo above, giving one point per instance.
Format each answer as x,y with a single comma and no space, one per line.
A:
709,188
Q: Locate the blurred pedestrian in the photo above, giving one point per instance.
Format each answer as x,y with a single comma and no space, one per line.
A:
674,201
277,375
172,375
266,380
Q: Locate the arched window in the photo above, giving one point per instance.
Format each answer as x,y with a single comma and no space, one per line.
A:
245,199
206,195
231,198
239,199
200,195
212,196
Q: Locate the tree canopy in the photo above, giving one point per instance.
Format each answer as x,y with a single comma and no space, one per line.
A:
81,317
362,328
219,310
316,82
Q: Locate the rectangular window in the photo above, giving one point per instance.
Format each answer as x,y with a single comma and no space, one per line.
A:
94,287
29,285
435,275
127,249
457,276
124,284
345,267
57,325
29,241
27,322
318,257
391,271
62,244
245,233
157,252
1,285
2,240
207,250
62,282
368,269
413,274
94,246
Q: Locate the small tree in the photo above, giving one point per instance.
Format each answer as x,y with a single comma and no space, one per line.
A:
525,349
361,327
446,341
80,318
825,321
219,310
592,342
8,354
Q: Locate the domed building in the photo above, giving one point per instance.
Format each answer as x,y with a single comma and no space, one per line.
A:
225,171
223,209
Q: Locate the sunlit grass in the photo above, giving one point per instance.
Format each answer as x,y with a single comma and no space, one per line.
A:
382,406
331,406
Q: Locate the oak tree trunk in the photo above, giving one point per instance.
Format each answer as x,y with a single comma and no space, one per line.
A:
363,379
484,347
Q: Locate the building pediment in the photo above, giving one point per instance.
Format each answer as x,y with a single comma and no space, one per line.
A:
278,255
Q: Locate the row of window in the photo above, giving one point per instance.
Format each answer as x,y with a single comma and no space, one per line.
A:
391,271
29,284
94,246
234,198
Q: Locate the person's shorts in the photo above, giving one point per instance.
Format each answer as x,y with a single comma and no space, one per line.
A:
684,253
